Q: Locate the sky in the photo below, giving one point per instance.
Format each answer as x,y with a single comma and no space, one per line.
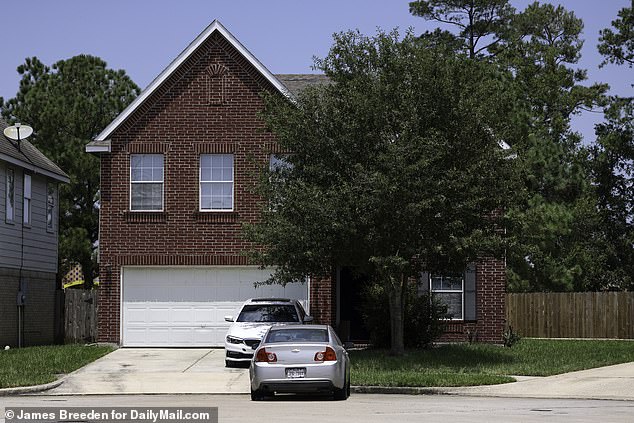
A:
144,36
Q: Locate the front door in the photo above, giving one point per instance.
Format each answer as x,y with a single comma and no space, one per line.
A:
351,326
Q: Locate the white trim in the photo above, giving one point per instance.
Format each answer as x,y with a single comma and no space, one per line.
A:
307,308
27,196
102,147
146,182
233,183
55,201
451,291
180,59
35,169
338,297
121,279
7,199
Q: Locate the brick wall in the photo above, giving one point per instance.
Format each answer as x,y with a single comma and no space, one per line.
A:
323,304
209,105
39,310
491,306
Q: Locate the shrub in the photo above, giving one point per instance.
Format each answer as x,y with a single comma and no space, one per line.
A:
422,315
510,337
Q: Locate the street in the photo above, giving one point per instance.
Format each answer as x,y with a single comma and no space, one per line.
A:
365,408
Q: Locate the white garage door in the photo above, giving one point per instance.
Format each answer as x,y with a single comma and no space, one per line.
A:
185,307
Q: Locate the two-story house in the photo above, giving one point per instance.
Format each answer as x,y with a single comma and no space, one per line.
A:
178,171
29,215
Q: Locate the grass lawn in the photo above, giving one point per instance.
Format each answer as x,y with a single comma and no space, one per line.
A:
37,365
480,364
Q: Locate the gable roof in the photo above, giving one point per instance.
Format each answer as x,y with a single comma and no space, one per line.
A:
215,26
28,157
296,83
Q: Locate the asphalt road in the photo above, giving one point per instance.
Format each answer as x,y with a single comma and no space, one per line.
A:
360,408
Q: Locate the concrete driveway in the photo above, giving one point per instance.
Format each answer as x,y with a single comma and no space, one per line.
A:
157,371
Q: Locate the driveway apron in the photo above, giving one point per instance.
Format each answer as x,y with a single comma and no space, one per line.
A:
157,371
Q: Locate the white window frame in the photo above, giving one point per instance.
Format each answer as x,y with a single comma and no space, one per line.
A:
10,200
27,203
162,182
201,182
449,291
51,200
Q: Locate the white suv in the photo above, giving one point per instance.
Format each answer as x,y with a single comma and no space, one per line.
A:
255,317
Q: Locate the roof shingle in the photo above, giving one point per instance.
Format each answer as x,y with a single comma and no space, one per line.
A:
28,155
296,83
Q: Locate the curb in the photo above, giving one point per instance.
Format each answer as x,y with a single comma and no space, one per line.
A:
403,390
30,389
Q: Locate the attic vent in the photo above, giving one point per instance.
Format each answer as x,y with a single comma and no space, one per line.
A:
216,69
216,75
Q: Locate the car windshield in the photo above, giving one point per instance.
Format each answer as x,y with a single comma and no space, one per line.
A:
268,313
297,335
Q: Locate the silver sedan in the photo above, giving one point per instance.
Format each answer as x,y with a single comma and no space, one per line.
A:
300,359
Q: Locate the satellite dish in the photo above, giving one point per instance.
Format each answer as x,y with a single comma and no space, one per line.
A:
18,132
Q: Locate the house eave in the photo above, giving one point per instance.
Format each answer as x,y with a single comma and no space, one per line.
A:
34,169
99,147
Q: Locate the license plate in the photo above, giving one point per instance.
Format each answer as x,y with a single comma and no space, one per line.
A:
295,373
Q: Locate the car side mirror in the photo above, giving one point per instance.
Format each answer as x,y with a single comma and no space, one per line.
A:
347,345
308,319
228,318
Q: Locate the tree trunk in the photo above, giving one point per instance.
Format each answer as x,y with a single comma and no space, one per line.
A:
396,295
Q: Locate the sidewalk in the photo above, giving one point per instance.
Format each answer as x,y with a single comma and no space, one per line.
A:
611,382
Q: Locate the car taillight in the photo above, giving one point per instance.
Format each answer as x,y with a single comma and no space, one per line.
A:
265,357
328,355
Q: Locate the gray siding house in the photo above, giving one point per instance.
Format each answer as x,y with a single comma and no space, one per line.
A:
29,216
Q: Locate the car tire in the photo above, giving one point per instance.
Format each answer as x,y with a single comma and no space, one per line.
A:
256,395
230,364
341,394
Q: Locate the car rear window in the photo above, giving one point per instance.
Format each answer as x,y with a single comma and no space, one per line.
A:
285,313
297,335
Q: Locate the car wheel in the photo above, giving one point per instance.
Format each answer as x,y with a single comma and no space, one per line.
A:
229,363
256,395
341,394
348,389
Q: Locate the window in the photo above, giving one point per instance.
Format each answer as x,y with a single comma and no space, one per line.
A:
298,336
216,182
449,288
279,166
146,182
26,210
268,313
10,200
50,207
278,163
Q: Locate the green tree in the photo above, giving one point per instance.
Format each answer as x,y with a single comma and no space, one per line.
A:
613,171
394,167
550,214
550,218
68,104
613,165
479,22
617,46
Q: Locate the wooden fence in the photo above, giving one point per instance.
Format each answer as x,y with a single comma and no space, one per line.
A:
80,315
572,315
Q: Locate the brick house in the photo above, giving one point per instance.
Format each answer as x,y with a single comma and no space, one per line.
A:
29,215
178,167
